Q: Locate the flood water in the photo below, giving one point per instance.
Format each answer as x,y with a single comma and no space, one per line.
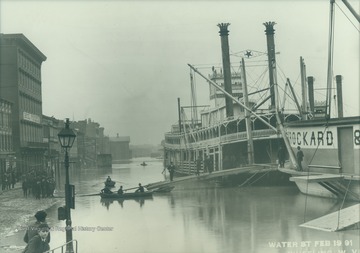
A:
195,217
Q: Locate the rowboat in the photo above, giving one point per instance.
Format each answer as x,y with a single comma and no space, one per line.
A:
130,195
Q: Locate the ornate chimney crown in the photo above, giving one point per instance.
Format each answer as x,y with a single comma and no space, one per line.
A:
223,29
269,27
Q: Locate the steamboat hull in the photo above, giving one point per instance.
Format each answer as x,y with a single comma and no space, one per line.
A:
331,157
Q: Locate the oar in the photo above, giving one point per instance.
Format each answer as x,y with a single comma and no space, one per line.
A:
131,188
86,195
135,188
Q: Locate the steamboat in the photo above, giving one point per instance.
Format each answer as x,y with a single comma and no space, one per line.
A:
331,145
234,130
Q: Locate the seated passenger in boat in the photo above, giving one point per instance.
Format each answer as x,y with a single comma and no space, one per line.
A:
108,179
120,191
140,189
106,190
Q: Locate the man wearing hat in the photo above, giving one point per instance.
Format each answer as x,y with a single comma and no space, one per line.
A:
32,229
38,243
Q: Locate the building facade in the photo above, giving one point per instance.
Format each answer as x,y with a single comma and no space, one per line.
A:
52,155
20,84
120,150
7,155
91,142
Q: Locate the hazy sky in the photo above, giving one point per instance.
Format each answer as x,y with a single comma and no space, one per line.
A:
124,63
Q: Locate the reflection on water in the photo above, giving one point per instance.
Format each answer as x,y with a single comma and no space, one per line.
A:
141,201
196,217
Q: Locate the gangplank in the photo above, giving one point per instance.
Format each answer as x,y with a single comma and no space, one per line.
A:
336,221
256,168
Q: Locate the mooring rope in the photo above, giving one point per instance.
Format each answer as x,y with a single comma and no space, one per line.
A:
308,172
342,204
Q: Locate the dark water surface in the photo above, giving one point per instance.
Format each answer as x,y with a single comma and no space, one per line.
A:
195,217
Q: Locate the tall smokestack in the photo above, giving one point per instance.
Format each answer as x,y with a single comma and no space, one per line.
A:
310,81
339,95
224,32
271,57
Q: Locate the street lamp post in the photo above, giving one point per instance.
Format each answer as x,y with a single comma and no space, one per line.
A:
67,138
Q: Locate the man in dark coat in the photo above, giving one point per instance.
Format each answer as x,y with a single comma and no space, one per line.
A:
38,243
140,189
32,230
281,156
299,156
171,169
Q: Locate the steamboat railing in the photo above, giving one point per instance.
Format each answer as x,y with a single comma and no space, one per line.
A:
62,248
223,139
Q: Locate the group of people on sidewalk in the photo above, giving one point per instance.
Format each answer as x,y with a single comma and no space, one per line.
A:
9,179
37,184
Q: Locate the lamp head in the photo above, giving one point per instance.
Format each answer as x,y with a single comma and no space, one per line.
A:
66,136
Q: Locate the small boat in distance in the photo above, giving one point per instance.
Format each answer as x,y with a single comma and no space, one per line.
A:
143,164
130,195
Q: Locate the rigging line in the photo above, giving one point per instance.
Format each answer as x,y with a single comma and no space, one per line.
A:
282,72
247,180
233,70
259,80
195,97
308,171
347,17
286,95
260,177
191,130
342,204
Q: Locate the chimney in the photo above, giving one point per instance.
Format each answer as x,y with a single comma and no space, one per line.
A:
310,81
224,32
339,95
271,58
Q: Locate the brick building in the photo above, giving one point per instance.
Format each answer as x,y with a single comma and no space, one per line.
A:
7,155
20,84
120,150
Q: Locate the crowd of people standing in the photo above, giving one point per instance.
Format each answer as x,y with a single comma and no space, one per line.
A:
9,179
39,184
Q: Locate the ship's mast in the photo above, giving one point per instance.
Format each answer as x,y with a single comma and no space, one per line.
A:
330,61
304,111
194,116
250,144
330,58
351,9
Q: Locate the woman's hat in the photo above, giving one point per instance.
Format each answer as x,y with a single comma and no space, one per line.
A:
40,215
